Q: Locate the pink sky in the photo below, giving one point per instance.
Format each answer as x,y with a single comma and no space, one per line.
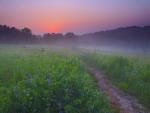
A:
79,16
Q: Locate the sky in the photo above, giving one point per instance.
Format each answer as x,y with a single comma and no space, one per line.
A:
78,16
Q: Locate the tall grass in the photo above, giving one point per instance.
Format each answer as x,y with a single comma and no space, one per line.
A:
40,81
131,74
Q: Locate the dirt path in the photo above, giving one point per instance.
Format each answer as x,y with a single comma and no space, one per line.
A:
118,100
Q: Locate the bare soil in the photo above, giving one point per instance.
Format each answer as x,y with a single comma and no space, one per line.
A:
119,101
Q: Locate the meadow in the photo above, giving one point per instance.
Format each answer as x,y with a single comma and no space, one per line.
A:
40,79
130,73
43,80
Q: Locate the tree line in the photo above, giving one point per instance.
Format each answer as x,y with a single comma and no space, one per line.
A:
133,35
25,35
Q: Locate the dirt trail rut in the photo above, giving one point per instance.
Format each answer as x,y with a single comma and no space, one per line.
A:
118,100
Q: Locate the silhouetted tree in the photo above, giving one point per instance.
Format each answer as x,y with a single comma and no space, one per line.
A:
70,35
26,34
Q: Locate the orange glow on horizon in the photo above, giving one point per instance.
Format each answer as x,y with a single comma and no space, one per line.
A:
53,29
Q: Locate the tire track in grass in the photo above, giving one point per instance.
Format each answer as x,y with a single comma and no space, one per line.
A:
118,100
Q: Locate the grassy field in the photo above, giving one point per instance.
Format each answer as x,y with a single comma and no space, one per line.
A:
37,79
42,80
130,73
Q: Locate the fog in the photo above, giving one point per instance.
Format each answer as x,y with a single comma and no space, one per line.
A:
124,40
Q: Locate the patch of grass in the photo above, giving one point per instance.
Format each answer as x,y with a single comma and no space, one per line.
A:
34,81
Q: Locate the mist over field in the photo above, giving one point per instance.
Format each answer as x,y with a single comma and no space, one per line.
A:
129,39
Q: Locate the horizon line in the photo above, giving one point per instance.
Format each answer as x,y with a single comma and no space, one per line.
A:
80,34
